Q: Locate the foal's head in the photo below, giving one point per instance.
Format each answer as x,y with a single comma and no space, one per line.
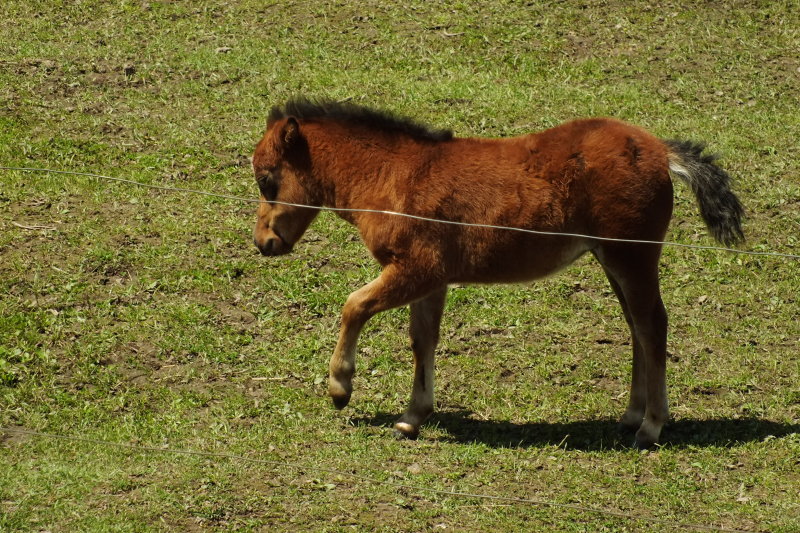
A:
280,164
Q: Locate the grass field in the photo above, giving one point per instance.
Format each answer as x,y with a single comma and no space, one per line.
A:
148,318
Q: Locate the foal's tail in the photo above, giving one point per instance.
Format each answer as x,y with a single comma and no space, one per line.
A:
719,207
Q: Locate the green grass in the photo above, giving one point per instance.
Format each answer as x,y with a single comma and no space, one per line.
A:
148,318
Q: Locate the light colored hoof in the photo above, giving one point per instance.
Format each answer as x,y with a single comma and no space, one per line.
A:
404,430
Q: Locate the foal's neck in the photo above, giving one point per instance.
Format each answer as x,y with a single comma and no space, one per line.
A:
360,169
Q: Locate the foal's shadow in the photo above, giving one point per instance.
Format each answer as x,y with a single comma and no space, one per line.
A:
591,435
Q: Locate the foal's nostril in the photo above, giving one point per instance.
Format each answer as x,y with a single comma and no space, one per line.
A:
264,247
269,242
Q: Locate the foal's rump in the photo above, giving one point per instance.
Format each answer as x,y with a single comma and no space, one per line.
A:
627,178
626,171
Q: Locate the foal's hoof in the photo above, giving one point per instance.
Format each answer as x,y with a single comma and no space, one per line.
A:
339,394
340,402
645,440
404,430
647,444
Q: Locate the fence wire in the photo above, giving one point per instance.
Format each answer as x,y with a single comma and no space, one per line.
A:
399,214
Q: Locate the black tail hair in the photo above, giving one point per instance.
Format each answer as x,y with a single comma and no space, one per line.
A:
719,206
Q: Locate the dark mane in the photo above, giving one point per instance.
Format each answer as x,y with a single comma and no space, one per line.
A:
304,108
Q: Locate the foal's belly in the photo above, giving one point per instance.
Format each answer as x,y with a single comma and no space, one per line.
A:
523,260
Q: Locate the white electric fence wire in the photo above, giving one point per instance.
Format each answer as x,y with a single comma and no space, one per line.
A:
407,215
375,481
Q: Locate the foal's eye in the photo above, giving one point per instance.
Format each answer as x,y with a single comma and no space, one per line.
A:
268,185
268,188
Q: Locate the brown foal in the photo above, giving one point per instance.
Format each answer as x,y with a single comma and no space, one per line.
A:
597,177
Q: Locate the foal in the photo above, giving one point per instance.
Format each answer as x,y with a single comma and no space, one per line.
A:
596,177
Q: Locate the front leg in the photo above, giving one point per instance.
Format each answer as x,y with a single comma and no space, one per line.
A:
426,315
393,288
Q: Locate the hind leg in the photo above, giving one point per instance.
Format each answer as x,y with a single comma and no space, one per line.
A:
651,324
634,272
426,315
637,401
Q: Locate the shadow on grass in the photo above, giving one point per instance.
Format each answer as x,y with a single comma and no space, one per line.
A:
592,435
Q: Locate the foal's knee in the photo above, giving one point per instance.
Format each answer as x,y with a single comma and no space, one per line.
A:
355,311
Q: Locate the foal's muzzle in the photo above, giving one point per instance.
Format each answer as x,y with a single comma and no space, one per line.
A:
272,244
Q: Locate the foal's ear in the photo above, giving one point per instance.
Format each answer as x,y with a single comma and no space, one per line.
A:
290,132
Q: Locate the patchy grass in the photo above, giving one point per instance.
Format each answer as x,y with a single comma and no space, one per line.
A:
147,317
